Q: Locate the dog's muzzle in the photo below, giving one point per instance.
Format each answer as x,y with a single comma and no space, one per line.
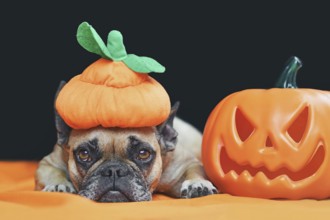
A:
115,181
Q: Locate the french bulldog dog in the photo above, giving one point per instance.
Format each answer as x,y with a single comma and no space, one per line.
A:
125,164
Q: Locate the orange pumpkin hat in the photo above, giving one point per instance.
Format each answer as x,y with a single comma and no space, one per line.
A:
114,91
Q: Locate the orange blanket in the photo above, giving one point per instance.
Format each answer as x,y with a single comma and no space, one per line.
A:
19,201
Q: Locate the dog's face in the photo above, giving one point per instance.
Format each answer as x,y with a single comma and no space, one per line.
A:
115,164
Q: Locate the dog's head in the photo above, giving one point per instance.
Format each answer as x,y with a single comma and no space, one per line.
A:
116,164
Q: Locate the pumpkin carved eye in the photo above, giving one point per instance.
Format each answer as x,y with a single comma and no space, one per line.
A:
299,125
244,127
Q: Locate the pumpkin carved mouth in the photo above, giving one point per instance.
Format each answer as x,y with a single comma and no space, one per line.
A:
228,165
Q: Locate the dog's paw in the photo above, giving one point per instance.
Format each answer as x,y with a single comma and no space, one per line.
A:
68,188
197,188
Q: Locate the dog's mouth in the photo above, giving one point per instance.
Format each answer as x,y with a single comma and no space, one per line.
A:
105,196
236,170
101,190
114,196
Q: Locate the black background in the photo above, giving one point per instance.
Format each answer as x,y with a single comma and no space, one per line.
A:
209,49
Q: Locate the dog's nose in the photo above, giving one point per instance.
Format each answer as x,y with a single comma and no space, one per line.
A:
115,171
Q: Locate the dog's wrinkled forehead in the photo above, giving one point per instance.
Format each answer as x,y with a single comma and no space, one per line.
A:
111,139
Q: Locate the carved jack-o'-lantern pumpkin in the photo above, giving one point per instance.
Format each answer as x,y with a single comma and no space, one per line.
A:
272,143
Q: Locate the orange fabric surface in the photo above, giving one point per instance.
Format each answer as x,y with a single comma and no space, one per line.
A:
107,92
19,201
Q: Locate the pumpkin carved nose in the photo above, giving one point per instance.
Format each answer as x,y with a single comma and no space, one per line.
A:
269,142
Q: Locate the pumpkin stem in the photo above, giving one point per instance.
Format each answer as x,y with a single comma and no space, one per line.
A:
289,74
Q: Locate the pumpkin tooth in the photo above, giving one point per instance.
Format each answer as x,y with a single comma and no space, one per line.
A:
261,177
232,174
273,167
246,175
283,178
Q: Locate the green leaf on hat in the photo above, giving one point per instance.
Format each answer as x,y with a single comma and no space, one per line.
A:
143,64
89,39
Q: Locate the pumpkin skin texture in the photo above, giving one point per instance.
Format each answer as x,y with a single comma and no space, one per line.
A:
271,143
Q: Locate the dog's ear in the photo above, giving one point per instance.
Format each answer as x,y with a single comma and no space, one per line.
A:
167,135
63,130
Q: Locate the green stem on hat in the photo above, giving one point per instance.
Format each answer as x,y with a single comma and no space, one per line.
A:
116,45
115,50
289,74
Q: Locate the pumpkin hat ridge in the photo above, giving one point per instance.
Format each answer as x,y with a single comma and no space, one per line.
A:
115,90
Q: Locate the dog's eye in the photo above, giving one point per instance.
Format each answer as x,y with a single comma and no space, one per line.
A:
84,156
144,154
